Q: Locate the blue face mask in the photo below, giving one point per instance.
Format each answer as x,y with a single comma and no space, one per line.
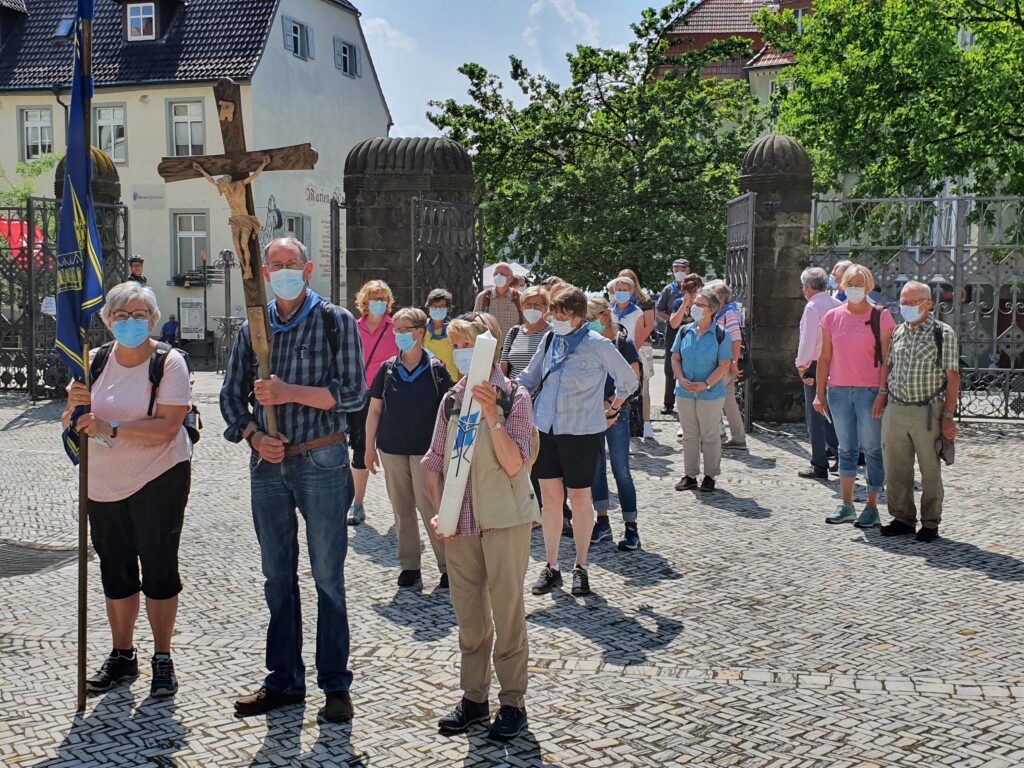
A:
405,341
131,332
463,359
831,282
288,284
622,297
910,314
378,308
596,325
437,314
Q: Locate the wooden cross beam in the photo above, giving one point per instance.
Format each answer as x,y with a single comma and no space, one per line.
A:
237,169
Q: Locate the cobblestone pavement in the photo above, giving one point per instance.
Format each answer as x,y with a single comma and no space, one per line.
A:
746,633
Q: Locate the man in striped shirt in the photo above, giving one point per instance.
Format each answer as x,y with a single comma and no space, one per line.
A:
318,377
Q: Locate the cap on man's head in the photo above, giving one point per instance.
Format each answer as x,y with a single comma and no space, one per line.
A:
136,260
681,263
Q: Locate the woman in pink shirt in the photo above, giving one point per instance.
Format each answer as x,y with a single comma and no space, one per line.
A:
377,334
854,346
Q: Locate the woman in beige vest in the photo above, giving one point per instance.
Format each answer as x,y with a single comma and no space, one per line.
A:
488,555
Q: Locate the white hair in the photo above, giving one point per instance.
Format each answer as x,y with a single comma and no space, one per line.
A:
621,279
815,279
287,240
123,294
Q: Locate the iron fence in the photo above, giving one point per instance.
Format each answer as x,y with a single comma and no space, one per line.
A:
739,274
447,251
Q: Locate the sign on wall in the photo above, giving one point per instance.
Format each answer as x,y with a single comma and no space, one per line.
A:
148,196
192,319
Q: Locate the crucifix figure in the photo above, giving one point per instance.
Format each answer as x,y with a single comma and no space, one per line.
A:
239,169
243,225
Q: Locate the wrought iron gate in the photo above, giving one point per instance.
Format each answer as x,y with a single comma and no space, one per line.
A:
739,274
28,244
970,250
447,251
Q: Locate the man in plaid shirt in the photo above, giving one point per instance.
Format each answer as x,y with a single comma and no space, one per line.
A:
923,387
317,362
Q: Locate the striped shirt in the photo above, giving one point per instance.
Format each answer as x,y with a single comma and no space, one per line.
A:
300,355
519,348
518,424
729,321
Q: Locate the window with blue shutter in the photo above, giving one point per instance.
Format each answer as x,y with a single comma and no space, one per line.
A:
298,37
346,57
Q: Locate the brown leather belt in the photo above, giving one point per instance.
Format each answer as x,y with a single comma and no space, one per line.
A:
301,449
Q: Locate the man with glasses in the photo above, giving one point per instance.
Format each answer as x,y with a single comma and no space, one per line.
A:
923,388
318,377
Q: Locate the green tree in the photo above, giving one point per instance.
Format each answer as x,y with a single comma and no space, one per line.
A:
905,95
629,164
18,190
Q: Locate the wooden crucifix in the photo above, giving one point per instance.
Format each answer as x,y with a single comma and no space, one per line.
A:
234,167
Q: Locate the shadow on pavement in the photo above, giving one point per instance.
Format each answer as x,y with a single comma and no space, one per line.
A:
429,614
522,750
722,499
284,732
951,555
381,548
750,460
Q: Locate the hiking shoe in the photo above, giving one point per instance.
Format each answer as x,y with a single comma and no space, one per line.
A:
165,682
409,578
666,411
356,513
813,473
580,581
443,584
734,445
265,700
508,723
117,668
648,431
927,534
844,513
707,485
868,518
337,708
897,528
602,530
631,542
833,468
550,578
465,714
687,483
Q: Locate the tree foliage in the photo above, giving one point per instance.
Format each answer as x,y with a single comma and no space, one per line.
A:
907,95
630,164
17,191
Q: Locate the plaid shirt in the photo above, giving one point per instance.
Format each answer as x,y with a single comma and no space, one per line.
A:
300,355
503,308
914,377
518,424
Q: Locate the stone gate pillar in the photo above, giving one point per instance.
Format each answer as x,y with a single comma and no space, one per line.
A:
778,169
382,177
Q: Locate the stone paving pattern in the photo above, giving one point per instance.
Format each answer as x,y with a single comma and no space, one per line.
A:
746,633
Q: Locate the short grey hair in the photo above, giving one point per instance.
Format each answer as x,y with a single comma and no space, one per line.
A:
123,294
721,289
713,298
916,286
287,240
621,279
814,279
840,268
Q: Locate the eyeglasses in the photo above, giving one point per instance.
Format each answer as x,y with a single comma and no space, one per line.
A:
139,314
408,328
913,303
293,264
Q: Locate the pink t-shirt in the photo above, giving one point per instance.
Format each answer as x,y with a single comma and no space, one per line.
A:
122,394
853,346
378,345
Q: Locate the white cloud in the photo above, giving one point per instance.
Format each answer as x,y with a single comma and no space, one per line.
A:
583,25
530,36
380,33
536,8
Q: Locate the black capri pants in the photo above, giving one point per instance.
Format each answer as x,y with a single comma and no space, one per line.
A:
357,434
145,529
569,458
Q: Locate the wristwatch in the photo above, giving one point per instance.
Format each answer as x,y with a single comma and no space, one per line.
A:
948,414
113,428
496,427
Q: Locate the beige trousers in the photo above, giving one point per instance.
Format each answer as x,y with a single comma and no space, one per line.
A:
700,420
737,432
406,482
905,434
647,366
486,575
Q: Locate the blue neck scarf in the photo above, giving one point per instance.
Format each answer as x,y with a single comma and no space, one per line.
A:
628,311
563,346
410,376
437,336
278,326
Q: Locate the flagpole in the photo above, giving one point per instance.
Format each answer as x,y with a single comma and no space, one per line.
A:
83,467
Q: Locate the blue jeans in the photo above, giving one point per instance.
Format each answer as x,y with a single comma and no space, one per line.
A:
313,483
617,436
850,408
821,434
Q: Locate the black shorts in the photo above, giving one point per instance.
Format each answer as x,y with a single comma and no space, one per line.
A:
572,458
357,434
144,528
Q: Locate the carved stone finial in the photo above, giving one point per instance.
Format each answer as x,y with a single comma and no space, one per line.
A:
227,111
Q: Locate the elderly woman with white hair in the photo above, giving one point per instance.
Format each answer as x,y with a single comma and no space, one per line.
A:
139,480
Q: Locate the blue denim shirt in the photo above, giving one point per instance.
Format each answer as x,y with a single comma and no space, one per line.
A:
699,355
572,399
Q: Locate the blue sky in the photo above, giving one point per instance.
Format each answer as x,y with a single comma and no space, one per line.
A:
418,45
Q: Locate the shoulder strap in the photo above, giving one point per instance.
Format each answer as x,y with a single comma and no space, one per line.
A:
513,334
719,333
940,341
485,305
156,372
548,338
99,362
451,407
875,321
331,327
515,299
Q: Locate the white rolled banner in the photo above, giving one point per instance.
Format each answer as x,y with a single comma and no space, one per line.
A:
470,422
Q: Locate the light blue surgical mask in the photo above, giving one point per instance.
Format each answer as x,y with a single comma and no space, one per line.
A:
437,314
831,282
378,308
596,325
697,312
463,359
911,314
131,332
621,297
405,341
288,284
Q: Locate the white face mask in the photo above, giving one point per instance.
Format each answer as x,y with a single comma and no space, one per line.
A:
532,316
562,327
500,281
679,276
855,295
697,312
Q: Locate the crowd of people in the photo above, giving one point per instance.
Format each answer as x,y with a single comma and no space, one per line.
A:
568,393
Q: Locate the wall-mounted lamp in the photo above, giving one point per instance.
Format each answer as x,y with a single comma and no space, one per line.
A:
144,98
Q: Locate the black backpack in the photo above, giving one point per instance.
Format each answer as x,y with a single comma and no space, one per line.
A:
453,406
193,421
436,366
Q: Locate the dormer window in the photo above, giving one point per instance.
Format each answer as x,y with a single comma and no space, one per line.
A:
64,27
141,21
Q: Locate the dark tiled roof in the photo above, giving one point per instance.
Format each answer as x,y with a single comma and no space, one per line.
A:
721,17
205,40
14,5
768,57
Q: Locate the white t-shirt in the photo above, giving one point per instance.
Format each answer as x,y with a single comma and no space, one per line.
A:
122,394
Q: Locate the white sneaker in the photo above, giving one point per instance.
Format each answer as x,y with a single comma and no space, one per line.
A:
648,431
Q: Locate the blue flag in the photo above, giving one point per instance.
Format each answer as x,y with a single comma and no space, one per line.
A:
79,260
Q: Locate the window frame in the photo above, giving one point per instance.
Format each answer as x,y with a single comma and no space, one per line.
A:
354,58
124,125
23,141
176,266
304,36
171,144
142,6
